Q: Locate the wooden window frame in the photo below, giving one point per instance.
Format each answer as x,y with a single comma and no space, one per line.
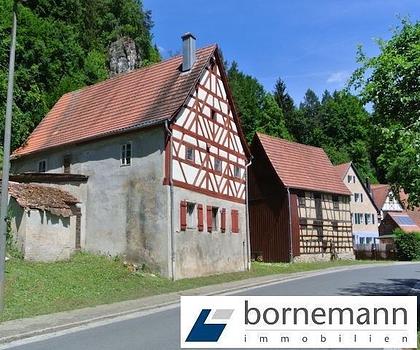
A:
126,154
190,150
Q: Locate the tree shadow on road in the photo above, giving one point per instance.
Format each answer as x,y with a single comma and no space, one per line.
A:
393,286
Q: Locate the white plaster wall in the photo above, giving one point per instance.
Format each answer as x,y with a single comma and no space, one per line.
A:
48,237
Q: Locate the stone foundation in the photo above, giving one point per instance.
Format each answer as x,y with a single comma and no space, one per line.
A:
323,257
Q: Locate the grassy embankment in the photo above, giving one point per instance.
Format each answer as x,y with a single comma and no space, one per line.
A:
87,280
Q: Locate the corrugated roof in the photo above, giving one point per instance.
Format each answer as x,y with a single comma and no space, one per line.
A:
301,166
33,196
127,101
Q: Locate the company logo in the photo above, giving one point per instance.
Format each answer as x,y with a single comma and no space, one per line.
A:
298,322
209,332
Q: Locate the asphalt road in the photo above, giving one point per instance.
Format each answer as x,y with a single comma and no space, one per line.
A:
160,330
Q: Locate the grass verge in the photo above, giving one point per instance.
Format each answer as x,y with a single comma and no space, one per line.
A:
88,280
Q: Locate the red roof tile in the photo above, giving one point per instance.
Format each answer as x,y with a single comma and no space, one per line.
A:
342,169
127,101
302,167
379,194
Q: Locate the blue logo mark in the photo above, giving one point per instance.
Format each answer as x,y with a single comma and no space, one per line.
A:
208,332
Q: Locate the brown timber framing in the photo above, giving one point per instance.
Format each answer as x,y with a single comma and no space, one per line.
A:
210,138
333,230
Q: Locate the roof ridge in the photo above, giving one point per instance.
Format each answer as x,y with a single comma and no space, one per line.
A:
140,69
288,141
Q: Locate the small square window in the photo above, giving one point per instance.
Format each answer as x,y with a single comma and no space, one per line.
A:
189,154
126,154
42,166
237,171
217,165
190,215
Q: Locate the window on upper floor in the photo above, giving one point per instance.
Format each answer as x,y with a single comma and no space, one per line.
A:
349,179
302,201
42,166
126,154
368,219
237,171
335,226
66,164
356,197
213,114
217,165
373,218
336,203
189,154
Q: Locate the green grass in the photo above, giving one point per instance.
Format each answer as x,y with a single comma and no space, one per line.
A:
87,280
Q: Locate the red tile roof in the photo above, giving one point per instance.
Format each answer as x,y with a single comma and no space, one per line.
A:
302,167
142,97
342,169
379,194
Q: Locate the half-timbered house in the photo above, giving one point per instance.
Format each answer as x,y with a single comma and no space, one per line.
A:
166,163
299,207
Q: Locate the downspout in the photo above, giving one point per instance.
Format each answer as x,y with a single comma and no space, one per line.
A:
171,200
290,226
248,235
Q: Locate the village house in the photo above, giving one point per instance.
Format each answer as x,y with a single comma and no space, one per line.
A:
395,212
299,207
363,209
165,161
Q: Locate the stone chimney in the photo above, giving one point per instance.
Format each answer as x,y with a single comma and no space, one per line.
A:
188,51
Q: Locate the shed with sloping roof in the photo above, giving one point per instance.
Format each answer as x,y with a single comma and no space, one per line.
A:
44,221
299,207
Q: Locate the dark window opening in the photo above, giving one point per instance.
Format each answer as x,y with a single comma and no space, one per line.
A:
189,154
302,201
217,165
67,164
42,166
126,154
214,218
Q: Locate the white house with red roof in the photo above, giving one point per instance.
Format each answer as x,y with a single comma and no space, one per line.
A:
363,208
166,163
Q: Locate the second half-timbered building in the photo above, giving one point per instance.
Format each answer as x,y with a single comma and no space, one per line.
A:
166,164
298,206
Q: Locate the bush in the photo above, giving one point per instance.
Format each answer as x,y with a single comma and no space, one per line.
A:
407,244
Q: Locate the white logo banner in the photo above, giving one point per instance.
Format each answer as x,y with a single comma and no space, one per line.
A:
298,322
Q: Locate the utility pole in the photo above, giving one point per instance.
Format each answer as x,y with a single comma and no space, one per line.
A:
6,160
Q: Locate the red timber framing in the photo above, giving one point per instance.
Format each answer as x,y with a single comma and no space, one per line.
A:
209,154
